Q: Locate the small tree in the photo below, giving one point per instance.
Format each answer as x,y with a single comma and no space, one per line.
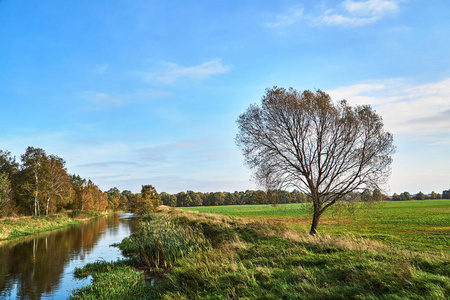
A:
420,196
307,142
150,199
377,195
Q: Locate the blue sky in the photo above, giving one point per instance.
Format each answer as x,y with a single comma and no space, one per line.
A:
148,92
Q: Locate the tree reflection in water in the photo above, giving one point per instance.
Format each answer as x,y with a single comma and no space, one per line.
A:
42,266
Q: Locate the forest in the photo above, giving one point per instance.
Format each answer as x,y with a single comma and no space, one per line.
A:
39,184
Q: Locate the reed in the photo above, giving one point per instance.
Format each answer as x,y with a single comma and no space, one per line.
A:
159,242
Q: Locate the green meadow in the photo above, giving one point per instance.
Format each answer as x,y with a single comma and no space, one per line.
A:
414,225
395,250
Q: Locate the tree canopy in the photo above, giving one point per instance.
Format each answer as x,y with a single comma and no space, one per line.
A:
307,142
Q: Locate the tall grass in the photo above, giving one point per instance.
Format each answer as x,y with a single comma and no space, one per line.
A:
159,242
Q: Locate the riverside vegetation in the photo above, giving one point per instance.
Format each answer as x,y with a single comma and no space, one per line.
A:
11,228
179,254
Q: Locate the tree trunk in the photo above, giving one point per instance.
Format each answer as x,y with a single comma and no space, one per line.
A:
315,222
46,208
35,205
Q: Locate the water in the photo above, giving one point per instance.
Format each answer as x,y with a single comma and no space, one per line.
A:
41,267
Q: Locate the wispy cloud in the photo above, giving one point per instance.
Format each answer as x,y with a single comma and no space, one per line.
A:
101,98
288,19
358,13
100,69
422,110
348,13
111,164
171,71
160,153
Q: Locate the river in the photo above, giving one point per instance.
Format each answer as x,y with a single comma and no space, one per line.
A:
41,266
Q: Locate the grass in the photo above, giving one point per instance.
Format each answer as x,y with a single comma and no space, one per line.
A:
113,280
253,258
159,242
12,228
412,225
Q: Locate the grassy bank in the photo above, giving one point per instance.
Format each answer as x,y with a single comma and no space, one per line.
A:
233,258
412,225
11,228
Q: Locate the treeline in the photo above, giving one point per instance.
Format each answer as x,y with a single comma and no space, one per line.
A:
139,203
191,198
39,184
405,196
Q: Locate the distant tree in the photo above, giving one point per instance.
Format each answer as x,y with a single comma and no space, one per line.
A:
446,194
114,197
125,199
183,200
35,179
169,200
250,197
305,141
9,169
261,197
196,199
8,163
230,199
151,199
59,192
299,196
87,197
366,195
420,196
77,185
6,200
377,195
217,198
405,196
435,195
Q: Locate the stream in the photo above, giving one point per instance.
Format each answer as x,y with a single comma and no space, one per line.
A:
41,266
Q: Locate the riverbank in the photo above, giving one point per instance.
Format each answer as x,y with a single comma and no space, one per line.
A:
12,228
189,255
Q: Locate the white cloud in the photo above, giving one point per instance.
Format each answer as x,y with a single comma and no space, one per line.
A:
286,20
347,13
172,72
358,13
422,110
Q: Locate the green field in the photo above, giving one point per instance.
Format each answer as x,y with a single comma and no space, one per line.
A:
414,225
182,254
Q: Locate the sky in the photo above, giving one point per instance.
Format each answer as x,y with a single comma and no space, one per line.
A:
148,92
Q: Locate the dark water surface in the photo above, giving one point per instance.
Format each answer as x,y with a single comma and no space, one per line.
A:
41,267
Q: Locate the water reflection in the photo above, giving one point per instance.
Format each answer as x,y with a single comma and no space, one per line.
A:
42,266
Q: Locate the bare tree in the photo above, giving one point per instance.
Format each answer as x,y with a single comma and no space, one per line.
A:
307,142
